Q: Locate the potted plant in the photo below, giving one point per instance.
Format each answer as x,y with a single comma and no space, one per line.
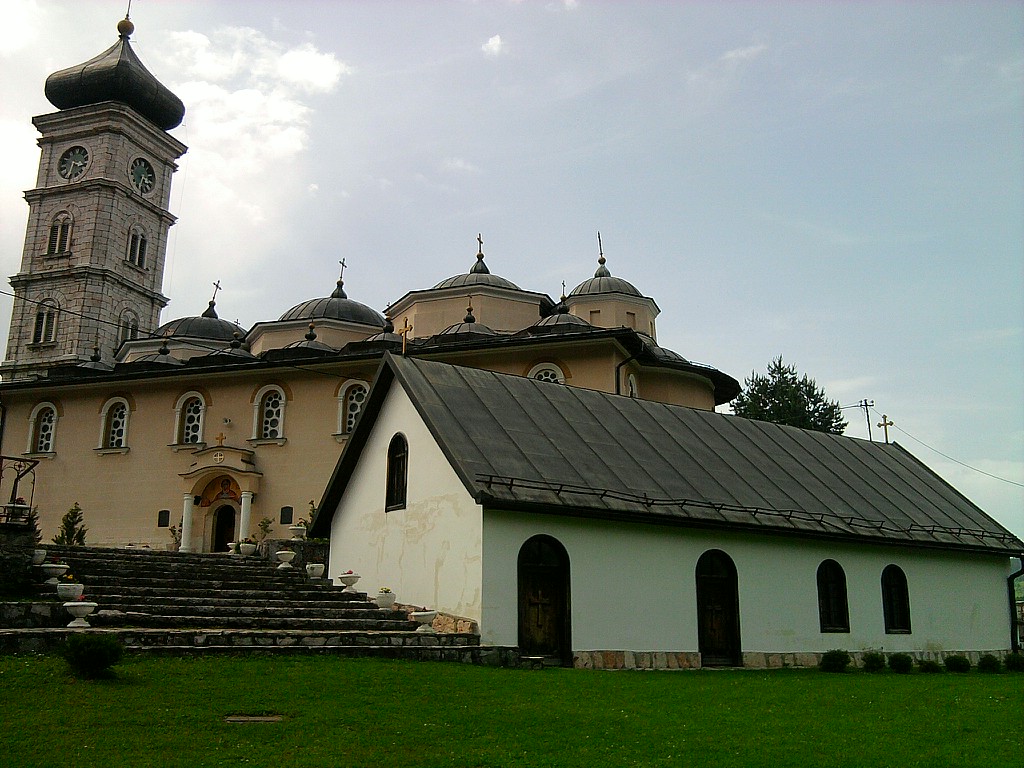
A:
80,608
68,587
348,578
314,570
385,597
232,547
425,620
298,529
247,546
175,544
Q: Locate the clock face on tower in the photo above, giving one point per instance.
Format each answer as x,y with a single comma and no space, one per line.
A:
72,163
142,175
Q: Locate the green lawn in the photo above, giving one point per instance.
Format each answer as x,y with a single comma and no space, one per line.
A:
363,712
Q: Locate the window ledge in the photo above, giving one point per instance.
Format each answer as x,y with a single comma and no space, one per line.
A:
187,446
58,255
42,345
40,455
109,451
898,632
267,441
835,630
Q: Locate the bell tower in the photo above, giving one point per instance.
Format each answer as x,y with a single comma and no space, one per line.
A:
93,263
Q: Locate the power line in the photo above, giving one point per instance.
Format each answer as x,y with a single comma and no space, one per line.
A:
954,460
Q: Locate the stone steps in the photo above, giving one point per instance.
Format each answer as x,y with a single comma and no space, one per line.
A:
185,603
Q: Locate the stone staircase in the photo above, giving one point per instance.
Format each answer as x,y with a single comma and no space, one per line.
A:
183,603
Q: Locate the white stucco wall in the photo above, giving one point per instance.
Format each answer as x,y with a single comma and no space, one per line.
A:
633,588
427,553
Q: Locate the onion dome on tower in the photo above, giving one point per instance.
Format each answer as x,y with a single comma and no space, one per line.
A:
205,326
117,74
603,282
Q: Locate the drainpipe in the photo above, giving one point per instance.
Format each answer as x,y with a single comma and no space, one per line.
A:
1014,629
618,373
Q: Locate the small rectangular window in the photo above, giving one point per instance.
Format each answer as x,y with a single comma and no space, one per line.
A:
631,320
286,515
163,518
595,317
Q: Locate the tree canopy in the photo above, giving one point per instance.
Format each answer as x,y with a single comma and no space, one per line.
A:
784,397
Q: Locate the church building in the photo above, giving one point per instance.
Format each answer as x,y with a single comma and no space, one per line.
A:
544,469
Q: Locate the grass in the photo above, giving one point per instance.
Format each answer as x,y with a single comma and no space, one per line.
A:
362,712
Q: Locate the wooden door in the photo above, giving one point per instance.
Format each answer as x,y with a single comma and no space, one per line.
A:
718,611
544,616
223,528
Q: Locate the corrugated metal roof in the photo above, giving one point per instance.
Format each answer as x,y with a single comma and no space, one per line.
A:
526,444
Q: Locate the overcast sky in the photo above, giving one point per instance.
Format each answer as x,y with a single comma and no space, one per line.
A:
838,183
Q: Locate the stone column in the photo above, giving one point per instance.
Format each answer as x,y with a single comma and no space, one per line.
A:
186,523
243,524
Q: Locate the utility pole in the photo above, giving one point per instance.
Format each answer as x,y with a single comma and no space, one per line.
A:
866,405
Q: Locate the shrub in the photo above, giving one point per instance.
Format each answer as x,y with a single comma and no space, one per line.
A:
929,665
873,661
834,661
957,663
92,655
989,663
901,662
72,530
1014,662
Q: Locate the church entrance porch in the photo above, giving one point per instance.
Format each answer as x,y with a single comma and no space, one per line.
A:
718,611
544,601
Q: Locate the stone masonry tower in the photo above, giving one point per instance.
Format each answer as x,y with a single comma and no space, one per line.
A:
92,269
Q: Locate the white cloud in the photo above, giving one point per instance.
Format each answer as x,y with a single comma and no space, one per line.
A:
744,54
458,165
493,47
22,19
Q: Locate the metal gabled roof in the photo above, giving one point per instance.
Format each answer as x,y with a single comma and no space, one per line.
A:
518,443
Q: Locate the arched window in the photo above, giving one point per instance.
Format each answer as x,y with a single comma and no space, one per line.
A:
129,327
895,601
42,425
189,412
136,251
60,234
45,330
833,610
398,474
115,424
268,418
547,372
350,406
631,386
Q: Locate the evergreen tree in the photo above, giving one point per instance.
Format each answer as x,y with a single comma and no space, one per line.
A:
72,531
784,397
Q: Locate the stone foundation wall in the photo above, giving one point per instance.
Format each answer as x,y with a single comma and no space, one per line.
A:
25,615
751,660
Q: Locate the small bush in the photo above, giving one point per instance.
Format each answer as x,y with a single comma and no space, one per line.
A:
834,661
72,529
901,662
1014,662
929,665
989,663
92,656
873,661
957,663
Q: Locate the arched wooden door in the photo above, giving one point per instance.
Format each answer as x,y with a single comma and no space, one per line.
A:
718,611
223,527
544,604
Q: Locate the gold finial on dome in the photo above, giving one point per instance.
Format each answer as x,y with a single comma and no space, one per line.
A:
125,27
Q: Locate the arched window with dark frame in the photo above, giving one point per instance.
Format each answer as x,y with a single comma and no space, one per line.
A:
833,608
60,234
895,601
45,329
397,474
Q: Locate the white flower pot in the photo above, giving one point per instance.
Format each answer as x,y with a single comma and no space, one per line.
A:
349,579
285,557
69,590
246,549
53,570
385,599
298,532
38,556
425,618
80,609
314,570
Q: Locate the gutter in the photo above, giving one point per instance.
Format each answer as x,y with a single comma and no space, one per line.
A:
1014,628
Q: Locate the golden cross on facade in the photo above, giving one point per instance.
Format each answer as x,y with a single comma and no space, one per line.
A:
885,424
220,438
404,332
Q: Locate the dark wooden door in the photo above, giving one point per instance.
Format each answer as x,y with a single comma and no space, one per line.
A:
223,528
544,616
718,611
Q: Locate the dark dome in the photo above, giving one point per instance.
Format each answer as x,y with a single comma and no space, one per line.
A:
468,327
310,342
206,326
560,322
337,306
603,282
117,74
479,274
